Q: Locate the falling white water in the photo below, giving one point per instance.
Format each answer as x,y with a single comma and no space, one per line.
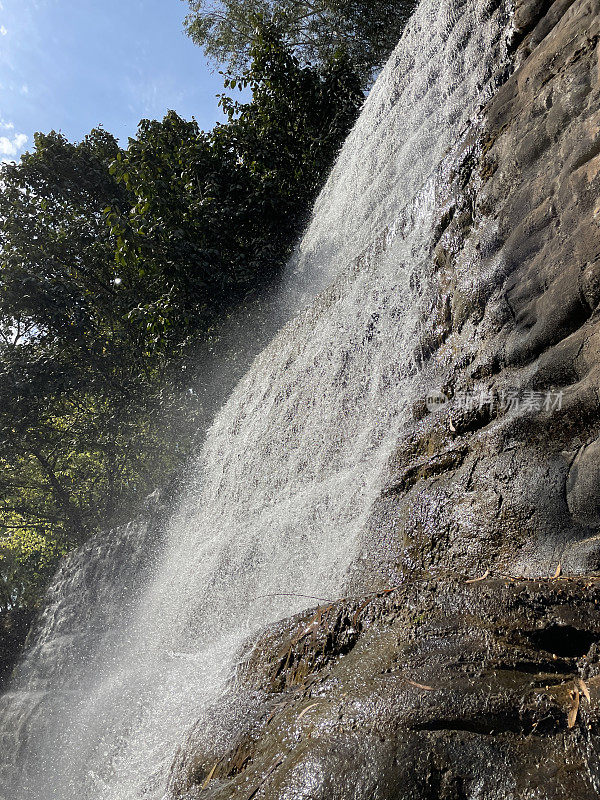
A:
290,470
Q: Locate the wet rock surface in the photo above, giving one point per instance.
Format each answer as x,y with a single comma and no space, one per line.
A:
443,688
506,473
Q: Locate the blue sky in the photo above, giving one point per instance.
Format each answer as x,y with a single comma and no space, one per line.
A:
70,65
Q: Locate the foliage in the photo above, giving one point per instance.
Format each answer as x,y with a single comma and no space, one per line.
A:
79,380
317,30
28,561
115,266
216,213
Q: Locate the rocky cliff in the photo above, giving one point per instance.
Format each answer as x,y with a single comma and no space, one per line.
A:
505,475
427,683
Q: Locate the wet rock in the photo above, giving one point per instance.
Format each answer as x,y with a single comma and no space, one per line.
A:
520,365
583,485
443,689
14,626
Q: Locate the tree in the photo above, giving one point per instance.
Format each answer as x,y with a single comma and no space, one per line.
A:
216,214
80,380
317,30
116,267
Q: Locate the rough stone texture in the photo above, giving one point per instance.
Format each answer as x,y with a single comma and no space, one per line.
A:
517,258
446,689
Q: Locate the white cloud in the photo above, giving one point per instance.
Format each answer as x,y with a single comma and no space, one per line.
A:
3,30
6,126
7,148
11,147
24,89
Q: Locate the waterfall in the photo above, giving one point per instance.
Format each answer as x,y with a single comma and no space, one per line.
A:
125,660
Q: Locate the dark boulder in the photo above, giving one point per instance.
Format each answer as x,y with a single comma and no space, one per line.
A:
440,691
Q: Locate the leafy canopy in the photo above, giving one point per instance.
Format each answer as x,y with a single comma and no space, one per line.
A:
216,214
316,30
79,378
116,267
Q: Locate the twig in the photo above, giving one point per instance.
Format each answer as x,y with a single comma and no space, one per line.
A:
308,708
485,575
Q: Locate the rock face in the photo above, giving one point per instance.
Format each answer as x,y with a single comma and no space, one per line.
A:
444,688
505,475
91,594
440,690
